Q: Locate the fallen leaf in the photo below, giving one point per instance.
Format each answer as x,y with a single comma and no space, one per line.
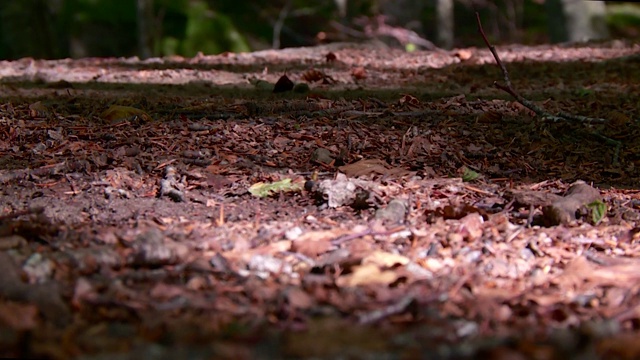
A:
299,299
311,248
471,226
385,259
371,166
464,54
313,75
117,112
283,84
359,73
38,109
367,274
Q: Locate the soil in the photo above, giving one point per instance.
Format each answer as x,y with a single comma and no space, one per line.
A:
379,204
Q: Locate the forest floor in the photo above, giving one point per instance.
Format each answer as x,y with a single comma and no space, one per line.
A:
398,205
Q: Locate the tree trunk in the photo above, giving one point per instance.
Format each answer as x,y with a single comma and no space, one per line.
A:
444,9
576,20
145,19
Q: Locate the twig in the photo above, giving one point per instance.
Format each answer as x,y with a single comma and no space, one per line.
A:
561,116
277,27
16,175
508,88
368,232
393,309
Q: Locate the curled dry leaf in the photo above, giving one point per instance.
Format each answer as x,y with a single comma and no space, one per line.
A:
331,57
359,73
38,109
471,226
283,84
313,75
409,101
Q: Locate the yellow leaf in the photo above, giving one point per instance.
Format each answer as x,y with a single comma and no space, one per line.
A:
117,112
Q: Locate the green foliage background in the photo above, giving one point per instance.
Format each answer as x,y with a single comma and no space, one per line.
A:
101,28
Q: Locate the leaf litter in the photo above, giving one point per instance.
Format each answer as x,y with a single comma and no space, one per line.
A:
404,208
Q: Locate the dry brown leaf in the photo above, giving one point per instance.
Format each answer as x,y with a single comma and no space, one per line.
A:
276,247
313,75
618,119
311,248
38,109
299,299
581,270
471,226
464,54
489,117
409,100
385,259
372,166
359,73
367,274
283,84
331,57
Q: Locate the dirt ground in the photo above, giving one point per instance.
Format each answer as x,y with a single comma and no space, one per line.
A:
377,204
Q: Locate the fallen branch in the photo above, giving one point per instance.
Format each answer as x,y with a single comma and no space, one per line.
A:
508,87
561,116
8,176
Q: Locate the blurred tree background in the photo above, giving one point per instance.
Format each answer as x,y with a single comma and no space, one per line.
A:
99,28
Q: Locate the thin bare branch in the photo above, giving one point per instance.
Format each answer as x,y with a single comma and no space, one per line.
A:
561,116
508,88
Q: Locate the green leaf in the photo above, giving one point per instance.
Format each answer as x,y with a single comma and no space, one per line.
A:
582,92
469,175
598,211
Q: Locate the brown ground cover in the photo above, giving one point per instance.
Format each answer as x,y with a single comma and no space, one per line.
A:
398,205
